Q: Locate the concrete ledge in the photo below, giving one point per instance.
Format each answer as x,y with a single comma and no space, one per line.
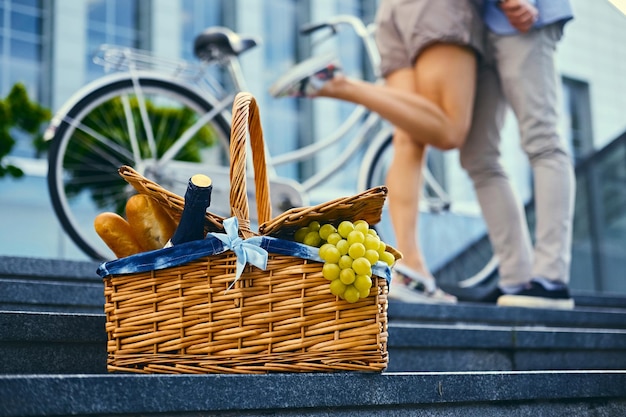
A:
431,347
479,313
15,266
52,343
30,284
350,394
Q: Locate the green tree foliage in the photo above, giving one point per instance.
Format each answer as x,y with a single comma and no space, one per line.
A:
17,111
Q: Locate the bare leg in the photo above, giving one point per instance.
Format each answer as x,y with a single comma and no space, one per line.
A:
440,114
404,179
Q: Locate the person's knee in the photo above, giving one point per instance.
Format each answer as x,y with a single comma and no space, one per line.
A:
481,167
453,138
452,142
542,147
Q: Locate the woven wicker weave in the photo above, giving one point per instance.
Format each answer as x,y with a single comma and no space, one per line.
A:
282,319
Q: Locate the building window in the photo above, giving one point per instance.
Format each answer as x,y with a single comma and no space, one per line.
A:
197,15
114,22
20,44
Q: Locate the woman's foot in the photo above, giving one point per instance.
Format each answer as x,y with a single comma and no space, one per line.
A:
409,286
306,78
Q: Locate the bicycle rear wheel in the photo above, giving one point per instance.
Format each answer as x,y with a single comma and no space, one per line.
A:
453,235
138,123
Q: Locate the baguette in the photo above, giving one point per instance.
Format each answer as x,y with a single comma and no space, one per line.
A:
115,231
150,224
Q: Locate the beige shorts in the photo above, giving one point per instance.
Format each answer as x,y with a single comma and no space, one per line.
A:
405,27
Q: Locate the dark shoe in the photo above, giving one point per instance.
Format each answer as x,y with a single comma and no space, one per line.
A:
539,293
479,294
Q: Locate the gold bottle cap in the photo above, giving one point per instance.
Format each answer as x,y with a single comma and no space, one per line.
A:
201,180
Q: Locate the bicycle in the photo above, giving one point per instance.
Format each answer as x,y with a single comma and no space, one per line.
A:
149,115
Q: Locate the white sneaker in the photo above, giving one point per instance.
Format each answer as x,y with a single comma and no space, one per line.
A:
418,289
306,78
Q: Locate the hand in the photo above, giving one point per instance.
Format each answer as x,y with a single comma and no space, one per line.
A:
521,14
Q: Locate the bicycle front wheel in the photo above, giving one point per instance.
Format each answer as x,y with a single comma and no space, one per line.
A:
453,238
152,124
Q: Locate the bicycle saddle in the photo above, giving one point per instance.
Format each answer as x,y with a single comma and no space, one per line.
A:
218,41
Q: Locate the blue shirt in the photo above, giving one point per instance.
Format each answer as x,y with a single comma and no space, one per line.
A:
550,11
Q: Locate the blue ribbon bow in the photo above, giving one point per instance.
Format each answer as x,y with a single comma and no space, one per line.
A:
247,251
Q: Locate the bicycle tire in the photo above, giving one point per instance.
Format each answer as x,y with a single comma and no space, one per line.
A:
91,142
454,261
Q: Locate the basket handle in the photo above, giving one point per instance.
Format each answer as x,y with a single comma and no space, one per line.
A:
246,120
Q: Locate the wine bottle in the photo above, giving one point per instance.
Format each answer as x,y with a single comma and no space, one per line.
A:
197,199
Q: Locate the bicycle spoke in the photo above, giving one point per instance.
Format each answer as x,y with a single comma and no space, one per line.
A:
143,111
184,139
130,123
99,137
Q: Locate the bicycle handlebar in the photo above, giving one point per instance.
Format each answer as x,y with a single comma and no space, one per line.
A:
364,32
334,22
309,28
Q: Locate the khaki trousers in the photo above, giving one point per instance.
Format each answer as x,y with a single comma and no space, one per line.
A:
520,70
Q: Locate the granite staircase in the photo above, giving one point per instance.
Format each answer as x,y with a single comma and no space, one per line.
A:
470,359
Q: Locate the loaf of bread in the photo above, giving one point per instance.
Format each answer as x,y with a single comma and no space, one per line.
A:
149,222
116,233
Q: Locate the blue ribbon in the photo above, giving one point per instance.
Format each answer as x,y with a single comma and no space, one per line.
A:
247,251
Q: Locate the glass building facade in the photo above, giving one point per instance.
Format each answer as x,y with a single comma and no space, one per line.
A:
48,46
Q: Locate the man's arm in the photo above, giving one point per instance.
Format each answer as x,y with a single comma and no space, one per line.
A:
522,14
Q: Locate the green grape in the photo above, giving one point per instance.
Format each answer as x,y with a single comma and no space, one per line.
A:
333,238
372,232
372,256
351,294
363,283
326,230
372,242
323,249
314,226
300,234
344,228
382,246
331,254
362,266
312,239
387,258
347,276
362,226
345,262
355,237
331,271
337,288
343,246
356,250
364,293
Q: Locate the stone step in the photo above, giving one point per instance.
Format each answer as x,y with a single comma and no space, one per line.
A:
575,393
75,343
44,343
31,284
490,314
462,347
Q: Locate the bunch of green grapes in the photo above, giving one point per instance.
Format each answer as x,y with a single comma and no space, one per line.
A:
348,251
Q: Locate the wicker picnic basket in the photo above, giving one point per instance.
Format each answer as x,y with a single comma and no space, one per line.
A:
182,319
